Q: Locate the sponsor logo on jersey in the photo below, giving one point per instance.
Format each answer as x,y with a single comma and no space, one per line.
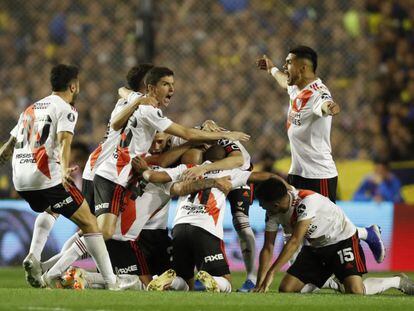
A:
213,257
101,206
194,209
126,270
301,210
60,204
71,117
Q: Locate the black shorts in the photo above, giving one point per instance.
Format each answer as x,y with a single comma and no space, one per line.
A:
196,247
57,198
240,200
326,187
88,193
109,196
316,265
156,245
126,258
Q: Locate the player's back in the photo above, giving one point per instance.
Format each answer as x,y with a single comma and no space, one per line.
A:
36,154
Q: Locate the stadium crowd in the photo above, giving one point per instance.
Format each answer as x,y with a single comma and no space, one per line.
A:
365,58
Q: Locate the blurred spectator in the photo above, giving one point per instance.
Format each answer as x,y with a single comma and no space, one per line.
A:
381,186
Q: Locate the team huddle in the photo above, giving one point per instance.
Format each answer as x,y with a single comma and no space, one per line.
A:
145,160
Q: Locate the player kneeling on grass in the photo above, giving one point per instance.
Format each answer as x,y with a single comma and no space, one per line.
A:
333,244
198,229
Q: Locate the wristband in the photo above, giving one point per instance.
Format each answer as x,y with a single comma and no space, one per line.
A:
274,70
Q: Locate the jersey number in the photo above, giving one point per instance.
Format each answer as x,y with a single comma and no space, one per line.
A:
34,133
346,255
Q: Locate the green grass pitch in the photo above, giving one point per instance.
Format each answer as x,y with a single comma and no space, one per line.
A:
15,294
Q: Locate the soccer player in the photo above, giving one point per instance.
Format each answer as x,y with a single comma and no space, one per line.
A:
198,229
309,123
41,172
333,247
112,175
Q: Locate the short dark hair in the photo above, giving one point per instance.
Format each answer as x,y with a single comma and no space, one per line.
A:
214,153
272,189
61,76
155,74
135,76
306,52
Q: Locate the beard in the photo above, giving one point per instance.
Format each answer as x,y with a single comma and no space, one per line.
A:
74,97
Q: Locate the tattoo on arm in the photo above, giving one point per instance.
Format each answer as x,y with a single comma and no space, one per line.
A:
191,186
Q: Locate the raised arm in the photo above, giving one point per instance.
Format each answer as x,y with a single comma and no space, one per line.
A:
121,118
194,134
169,157
265,63
6,151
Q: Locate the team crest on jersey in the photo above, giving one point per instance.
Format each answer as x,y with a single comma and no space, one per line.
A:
71,117
159,113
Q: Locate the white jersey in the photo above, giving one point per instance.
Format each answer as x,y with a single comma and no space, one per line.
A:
309,132
106,147
205,209
136,139
155,200
159,220
36,153
329,224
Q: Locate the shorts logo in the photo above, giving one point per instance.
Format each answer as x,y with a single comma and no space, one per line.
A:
126,270
101,206
71,117
214,257
66,201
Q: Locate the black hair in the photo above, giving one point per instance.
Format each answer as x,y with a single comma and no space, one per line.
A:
155,74
135,76
61,76
272,189
214,153
306,52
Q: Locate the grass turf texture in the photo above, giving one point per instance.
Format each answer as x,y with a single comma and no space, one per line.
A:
15,294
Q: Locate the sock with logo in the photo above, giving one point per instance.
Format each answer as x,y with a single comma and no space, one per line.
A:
50,262
379,285
72,254
42,227
179,284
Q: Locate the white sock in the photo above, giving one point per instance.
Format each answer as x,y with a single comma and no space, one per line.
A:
362,233
309,288
331,284
97,249
179,284
94,280
248,248
379,285
72,254
42,227
223,284
51,261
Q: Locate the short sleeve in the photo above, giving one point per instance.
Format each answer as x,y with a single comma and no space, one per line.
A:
156,119
15,129
228,146
175,172
292,90
66,118
271,223
305,210
239,177
133,96
319,98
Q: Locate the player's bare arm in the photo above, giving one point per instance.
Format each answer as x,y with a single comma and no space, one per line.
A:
233,160
121,118
187,187
156,177
265,257
6,151
194,134
330,108
265,63
65,140
169,157
287,252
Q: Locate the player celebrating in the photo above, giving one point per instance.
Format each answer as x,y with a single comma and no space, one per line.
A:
41,172
333,243
309,127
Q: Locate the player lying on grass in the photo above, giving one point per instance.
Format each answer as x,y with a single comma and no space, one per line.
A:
333,244
198,229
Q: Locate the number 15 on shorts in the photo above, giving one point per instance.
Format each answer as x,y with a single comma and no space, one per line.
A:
346,255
